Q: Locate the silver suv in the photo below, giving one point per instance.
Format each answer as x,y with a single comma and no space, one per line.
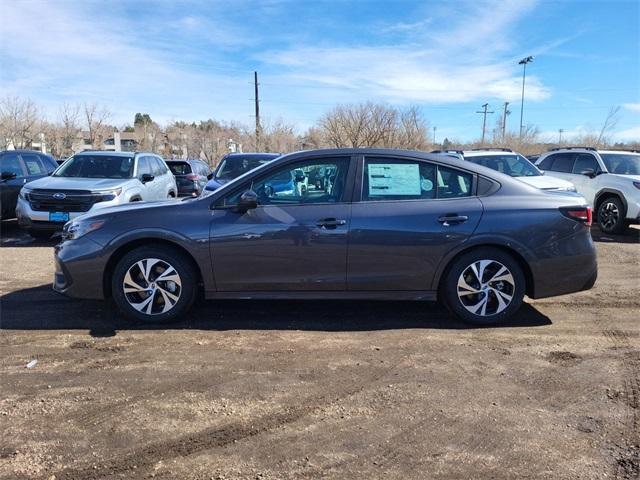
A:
608,179
89,181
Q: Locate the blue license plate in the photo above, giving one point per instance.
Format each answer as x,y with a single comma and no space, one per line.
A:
58,216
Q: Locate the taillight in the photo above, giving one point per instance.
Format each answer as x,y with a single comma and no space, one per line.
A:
192,176
580,214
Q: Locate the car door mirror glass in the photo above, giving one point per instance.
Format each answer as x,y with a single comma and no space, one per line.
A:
589,172
146,177
247,201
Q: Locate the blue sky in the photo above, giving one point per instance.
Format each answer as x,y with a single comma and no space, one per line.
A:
194,60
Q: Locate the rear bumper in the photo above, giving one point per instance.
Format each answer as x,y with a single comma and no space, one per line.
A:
567,266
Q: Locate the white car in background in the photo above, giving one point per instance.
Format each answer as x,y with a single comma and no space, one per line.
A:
505,160
608,179
88,181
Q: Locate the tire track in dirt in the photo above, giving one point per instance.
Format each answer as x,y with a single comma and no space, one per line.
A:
140,460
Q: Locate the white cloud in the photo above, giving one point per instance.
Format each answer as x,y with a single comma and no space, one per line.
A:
634,107
629,134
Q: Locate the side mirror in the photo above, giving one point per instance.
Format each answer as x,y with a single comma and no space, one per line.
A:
210,176
7,175
146,177
248,201
589,172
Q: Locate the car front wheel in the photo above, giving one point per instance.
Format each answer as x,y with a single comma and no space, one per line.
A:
611,216
485,286
154,284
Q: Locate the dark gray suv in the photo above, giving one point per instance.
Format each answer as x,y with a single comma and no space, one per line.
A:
388,224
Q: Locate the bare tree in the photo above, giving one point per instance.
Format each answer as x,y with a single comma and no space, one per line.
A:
69,127
609,124
96,122
18,122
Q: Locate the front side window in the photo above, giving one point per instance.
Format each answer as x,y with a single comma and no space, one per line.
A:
291,184
96,166
393,179
585,161
622,163
143,166
10,163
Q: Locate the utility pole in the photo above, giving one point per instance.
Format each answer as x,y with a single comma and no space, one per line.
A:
504,119
257,101
434,134
560,131
484,120
523,62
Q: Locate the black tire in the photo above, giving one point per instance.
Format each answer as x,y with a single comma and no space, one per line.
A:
186,284
449,289
42,235
611,216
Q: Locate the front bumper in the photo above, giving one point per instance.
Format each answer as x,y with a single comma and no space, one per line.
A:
39,220
79,268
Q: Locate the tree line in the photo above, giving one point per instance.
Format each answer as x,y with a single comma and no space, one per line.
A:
368,124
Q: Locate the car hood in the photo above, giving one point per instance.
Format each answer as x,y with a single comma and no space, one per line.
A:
69,183
545,182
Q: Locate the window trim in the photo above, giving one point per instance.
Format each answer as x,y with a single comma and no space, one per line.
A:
360,184
347,194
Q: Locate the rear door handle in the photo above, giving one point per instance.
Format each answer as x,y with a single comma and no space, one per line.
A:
330,223
452,219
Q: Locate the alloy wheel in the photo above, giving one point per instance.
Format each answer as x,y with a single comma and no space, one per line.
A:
486,287
152,286
609,215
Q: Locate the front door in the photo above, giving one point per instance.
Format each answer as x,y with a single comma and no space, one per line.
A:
296,240
10,187
410,215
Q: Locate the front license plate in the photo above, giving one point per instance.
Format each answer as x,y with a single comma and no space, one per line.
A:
58,216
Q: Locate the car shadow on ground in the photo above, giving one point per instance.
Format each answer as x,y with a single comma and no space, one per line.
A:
11,235
632,235
40,308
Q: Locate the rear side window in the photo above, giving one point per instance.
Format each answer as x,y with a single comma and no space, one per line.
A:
10,163
34,164
393,179
562,162
157,166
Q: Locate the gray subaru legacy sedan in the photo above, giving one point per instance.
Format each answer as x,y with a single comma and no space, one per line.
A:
381,225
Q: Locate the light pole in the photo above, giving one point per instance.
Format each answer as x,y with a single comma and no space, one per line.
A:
434,135
523,62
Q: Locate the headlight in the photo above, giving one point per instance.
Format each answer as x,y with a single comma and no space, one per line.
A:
78,228
24,193
107,195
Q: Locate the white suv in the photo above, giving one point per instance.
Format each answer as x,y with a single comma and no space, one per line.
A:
91,180
608,179
505,160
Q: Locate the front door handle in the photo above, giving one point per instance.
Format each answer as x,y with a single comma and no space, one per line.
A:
452,219
330,223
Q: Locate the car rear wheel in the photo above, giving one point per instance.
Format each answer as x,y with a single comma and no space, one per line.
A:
611,216
484,286
154,284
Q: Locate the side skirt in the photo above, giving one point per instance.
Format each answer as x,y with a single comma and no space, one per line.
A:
423,295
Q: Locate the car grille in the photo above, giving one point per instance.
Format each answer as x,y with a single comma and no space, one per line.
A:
74,200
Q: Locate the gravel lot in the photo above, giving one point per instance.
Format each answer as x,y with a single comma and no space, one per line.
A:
266,390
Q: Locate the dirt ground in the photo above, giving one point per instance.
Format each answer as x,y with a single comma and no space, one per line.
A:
326,389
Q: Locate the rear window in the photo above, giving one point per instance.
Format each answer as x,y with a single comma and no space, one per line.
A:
96,166
179,168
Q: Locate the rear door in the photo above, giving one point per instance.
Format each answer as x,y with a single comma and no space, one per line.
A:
410,213
294,241
10,163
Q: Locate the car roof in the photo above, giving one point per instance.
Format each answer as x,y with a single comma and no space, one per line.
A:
24,150
107,153
486,153
253,155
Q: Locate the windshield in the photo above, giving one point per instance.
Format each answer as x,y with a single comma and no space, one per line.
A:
622,163
96,166
512,165
231,168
